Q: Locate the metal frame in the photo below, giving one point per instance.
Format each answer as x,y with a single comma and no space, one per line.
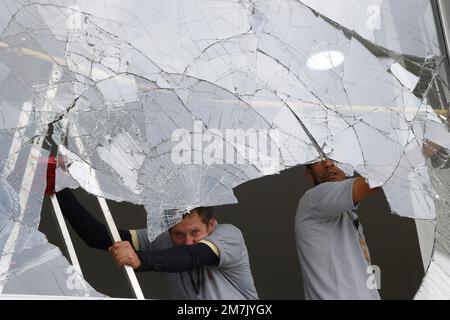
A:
444,23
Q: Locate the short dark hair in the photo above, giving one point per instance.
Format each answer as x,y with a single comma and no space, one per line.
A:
309,165
205,213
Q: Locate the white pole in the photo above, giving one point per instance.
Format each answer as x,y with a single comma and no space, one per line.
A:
65,234
114,233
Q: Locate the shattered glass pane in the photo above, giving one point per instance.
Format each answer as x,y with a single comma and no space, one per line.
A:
386,23
28,263
173,104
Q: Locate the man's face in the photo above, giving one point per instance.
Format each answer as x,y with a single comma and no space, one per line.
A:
324,171
191,229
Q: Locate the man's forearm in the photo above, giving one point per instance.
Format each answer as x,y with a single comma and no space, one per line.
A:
362,190
177,259
93,233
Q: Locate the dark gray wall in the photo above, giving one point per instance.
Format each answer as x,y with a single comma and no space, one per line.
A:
265,214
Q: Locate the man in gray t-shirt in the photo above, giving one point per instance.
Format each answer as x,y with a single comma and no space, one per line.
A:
199,258
332,250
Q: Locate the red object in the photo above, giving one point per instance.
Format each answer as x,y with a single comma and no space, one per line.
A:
51,169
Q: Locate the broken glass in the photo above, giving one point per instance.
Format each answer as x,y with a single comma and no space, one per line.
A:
173,104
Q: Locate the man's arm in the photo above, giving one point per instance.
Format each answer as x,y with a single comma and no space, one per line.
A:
176,259
438,155
361,190
330,199
93,233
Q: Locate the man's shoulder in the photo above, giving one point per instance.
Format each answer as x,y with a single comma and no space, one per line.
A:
318,193
307,196
326,187
227,233
227,228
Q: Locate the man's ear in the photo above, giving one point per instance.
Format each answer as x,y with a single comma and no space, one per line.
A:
212,224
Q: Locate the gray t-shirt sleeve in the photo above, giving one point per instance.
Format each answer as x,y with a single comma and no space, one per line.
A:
230,242
330,199
162,242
